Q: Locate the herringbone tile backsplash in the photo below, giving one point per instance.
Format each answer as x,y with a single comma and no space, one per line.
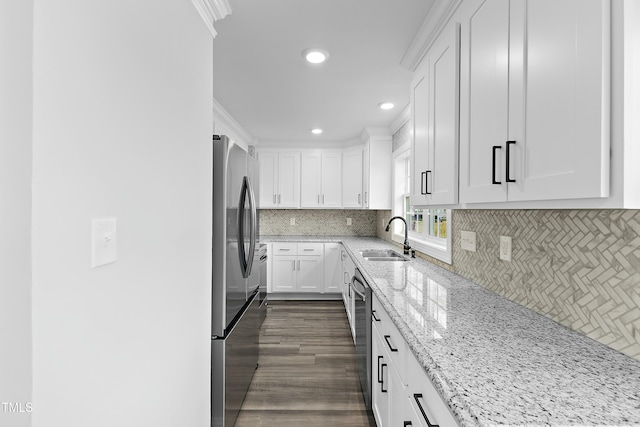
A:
579,267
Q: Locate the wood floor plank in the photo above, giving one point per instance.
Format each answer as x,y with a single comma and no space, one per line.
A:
307,373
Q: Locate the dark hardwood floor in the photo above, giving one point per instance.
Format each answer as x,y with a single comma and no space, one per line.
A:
307,374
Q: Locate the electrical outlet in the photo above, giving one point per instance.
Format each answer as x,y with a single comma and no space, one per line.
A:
505,248
348,221
292,221
468,240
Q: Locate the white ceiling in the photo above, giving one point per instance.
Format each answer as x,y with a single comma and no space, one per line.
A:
262,80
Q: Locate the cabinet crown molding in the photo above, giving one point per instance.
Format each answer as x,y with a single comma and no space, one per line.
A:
224,123
437,18
212,11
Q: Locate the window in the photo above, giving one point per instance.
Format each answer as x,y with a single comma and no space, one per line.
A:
428,229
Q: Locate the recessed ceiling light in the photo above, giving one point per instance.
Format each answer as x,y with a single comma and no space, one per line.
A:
386,105
315,56
316,131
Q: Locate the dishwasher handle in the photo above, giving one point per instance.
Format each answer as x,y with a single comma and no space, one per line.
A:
355,280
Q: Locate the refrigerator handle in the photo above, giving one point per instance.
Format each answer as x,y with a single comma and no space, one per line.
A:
254,226
241,252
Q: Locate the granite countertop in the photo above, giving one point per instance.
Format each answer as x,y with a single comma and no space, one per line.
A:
494,361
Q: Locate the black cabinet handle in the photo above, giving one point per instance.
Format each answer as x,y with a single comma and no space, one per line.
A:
427,182
509,161
418,396
493,165
408,423
373,316
422,182
386,338
382,382
379,373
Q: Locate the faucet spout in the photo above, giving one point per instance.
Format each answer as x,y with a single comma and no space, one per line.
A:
406,248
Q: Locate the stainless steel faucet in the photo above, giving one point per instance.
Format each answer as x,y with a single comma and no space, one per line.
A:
406,233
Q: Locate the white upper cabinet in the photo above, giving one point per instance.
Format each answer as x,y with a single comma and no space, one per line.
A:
352,178
534,100
320,183
377,173
435,104
279,179
331,168
310,180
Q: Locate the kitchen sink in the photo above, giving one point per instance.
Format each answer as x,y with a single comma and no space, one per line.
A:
382,255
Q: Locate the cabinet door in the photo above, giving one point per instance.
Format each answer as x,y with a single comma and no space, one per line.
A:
420,147
309,276
268,179
289,180
379,380
352,178
366,175
378,161
284,273
484,100
399,409
310,188
332,266
331,172
444,104
559,99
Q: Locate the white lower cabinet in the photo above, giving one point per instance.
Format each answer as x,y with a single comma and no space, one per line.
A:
297,267
305,267
402,393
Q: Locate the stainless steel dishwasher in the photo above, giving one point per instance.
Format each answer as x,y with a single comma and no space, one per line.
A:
362,313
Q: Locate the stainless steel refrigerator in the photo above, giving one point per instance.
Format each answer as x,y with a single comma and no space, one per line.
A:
235,280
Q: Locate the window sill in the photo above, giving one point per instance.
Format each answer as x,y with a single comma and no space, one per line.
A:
431,249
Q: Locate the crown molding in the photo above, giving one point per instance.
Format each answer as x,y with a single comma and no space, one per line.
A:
401,120
437,17
225,124
212,11
375,134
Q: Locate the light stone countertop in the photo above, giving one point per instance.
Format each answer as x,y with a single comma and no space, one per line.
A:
495,362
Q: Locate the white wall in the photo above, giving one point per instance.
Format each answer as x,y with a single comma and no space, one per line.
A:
16,27
122,128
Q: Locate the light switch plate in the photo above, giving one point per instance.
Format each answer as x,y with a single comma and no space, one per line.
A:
292,221
103,242
349,221
468,240
505,248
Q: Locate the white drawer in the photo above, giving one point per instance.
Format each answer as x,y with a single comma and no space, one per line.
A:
391,337
285,248
310,248
424,398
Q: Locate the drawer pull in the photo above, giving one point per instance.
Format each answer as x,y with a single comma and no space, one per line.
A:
379,374
307,250
373,316
386,338
408,423
284,249
417,397
382,382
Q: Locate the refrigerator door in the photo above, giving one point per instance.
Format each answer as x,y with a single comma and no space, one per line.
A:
229,286
254,175
235,359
